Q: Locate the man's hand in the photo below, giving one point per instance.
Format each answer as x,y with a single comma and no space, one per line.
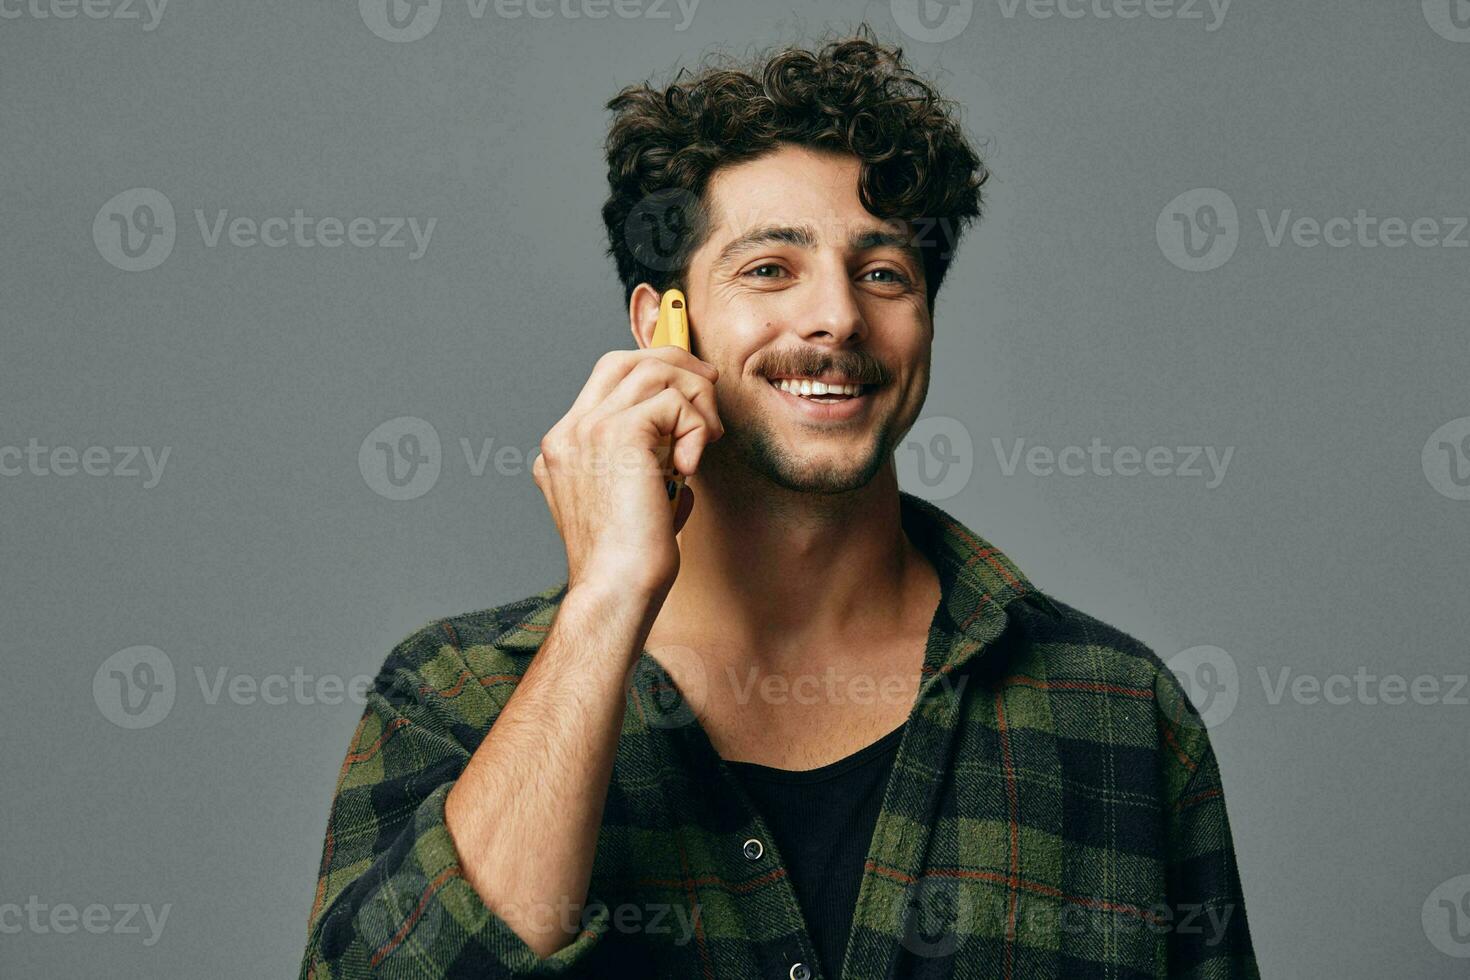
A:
601,466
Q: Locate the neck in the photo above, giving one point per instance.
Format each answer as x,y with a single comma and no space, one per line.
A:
776,573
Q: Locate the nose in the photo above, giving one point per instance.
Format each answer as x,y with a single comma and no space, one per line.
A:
833,316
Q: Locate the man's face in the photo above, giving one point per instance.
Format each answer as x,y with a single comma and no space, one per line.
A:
798,280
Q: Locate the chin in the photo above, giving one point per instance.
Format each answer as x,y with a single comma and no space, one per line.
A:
823,477
788,458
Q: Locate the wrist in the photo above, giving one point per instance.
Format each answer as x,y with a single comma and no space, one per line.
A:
623,609
618,587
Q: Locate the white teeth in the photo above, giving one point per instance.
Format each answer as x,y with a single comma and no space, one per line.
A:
809,388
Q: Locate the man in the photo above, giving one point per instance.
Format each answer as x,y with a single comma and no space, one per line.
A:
809,725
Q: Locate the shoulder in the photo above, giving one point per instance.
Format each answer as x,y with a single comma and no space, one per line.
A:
1073,641
469,663
1068,647
1098,686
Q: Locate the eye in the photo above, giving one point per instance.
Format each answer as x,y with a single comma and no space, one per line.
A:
899,279
766,265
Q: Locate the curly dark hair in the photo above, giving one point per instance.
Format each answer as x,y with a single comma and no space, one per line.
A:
854,96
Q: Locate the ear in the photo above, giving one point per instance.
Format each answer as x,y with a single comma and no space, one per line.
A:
643,314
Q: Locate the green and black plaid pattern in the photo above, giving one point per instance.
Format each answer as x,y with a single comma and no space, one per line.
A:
1055,811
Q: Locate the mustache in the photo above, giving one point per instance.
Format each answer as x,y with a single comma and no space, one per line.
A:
860,366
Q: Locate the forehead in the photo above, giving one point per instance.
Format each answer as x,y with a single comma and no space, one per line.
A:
790,186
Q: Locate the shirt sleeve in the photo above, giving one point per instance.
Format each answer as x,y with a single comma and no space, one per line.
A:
1208,935
391,900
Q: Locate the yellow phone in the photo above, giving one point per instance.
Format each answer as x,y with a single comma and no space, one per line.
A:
672,328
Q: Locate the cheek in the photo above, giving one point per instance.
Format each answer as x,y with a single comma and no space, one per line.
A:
728,342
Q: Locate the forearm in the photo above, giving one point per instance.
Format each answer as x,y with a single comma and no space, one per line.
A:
525,813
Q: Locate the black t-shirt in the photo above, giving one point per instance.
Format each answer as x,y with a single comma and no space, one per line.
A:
823,821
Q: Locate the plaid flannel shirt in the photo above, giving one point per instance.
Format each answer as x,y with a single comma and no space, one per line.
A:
1055,811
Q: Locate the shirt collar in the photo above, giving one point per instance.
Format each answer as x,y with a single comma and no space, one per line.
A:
977,584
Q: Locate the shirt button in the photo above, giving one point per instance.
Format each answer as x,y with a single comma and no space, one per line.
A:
800,971
753,850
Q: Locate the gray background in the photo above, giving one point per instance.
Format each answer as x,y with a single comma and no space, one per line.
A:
265,549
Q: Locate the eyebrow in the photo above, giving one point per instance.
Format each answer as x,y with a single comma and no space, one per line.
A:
803,236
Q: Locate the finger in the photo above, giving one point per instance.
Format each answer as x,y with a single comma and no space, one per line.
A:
651,377
689,450
616,365
666,416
